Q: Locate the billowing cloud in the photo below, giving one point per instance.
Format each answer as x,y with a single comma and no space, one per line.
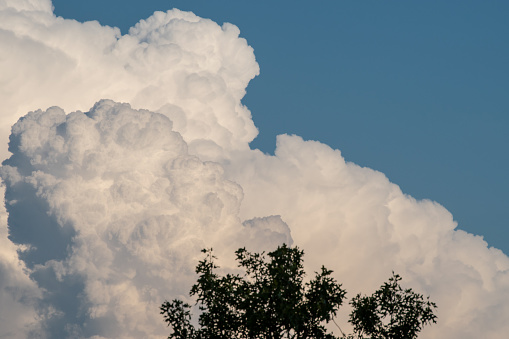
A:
190,68
18,294
122,213
356,222
108,209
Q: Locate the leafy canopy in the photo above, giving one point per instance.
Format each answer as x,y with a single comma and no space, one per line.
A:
391,312
271,301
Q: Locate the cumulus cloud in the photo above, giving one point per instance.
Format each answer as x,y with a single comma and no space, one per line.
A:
356,222
123,211
190,68
110,201
18,294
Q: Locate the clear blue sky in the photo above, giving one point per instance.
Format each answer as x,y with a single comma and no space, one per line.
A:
416,90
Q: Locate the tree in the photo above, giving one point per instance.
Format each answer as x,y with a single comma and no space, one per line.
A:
391,312
271,301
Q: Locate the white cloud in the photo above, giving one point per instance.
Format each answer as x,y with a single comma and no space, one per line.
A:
125,212
192,69
112,206
357,223
18,294
27,5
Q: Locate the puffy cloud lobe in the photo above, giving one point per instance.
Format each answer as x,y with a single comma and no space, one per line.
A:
123,205
27,5
18,294
108,209
186,67
354,221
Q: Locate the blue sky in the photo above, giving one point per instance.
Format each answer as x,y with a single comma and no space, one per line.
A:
415,90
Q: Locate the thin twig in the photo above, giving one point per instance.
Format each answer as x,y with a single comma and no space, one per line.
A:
343,333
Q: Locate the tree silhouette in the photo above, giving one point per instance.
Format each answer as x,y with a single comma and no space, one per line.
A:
271,301
391,312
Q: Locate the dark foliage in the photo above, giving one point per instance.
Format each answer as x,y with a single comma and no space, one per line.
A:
271,301
391,312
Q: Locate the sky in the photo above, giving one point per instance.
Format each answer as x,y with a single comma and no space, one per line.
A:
351,130
417,91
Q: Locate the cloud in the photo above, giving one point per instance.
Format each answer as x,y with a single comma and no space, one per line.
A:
122,212
190,68
27,5
356,222
110,201
18,294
